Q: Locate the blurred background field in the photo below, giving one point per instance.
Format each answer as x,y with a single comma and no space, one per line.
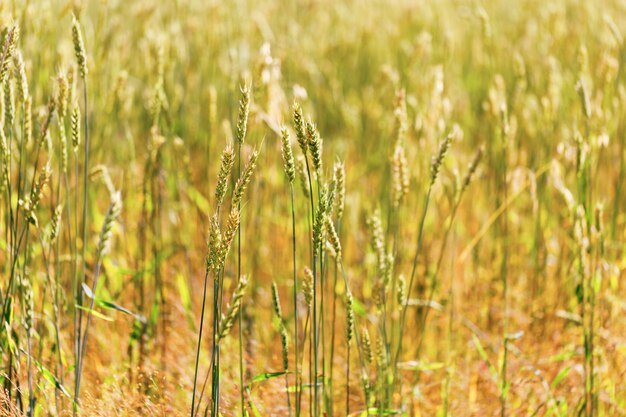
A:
517,303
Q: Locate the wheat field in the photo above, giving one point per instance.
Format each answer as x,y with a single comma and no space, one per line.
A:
312,208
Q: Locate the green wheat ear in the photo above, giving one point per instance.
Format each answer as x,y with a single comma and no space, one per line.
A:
55,223
232,225
7,48
227,321
320,221
227,162
79,47
214,245
439,157
334,239
299,125
9,104
75,126
244,110
350,316
20,69
368,354
284,342
340,187
315,145
111,217
244,180
276,301
287,153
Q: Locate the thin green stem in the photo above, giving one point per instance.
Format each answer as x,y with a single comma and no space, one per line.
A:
348,381
315,336
295,301
195,376
84,246
215,368
418,250
240,313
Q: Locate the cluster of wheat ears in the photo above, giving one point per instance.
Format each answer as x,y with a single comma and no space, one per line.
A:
375,281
